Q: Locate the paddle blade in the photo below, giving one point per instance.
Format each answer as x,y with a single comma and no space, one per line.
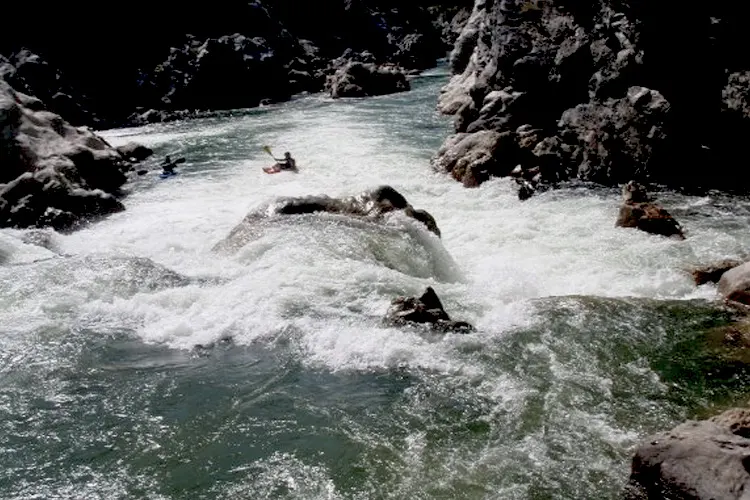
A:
267,149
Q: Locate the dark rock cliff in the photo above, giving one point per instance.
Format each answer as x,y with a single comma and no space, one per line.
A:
109,68
606,91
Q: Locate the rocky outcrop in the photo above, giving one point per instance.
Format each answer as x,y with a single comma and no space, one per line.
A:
356,79
734,284
53,173
639,212
372,205
606,96
233,55
696,460
425,310
474,158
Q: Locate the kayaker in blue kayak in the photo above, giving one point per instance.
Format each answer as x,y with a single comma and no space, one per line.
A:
168,165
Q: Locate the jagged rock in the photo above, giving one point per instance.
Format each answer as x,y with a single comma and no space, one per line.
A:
474,158
620,100
357,79
425,310
373,205
697,460
638,212
713,272
53,174
135,152
618,138
734,284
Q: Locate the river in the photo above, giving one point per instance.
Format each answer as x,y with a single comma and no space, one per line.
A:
135,362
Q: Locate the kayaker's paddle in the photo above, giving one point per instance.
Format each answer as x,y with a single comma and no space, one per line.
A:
267,149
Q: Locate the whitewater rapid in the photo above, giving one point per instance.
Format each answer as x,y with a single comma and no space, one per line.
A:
552,286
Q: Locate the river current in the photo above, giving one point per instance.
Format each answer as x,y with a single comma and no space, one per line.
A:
135,362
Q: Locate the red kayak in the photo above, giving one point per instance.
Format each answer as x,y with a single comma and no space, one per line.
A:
276,168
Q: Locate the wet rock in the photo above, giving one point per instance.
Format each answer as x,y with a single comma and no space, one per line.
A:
696,460
734,284
373,205
474,158
53,174
357,79
713,273
645,215
135,152
424,310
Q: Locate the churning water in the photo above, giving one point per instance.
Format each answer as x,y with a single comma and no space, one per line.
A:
135,362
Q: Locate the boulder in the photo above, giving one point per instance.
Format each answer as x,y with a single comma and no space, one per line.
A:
697,460
474,158
734,284
424,310
648,216
372,205
713,273
356,79
53,173
134,152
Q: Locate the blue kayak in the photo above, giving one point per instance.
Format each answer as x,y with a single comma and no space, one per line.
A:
165,175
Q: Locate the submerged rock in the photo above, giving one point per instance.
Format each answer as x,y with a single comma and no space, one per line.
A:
356,79
424,310
53,174
371,204
645,215
700,460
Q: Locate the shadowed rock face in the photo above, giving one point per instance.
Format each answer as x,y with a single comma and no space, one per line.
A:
701,460
370,205
231,55
52,174
425,310
357,79
648,216
598,91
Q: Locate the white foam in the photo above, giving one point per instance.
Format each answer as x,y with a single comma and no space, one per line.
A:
333,281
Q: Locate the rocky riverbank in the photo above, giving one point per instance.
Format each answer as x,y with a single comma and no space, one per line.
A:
185,62
55,174
599,92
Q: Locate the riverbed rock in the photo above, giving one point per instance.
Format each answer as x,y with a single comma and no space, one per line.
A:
425,310
372,205
619,100
53,173
712,273
638,212
734,284
134,152
697,460
356,79
472,158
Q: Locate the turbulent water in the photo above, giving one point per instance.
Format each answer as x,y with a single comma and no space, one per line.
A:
138,363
